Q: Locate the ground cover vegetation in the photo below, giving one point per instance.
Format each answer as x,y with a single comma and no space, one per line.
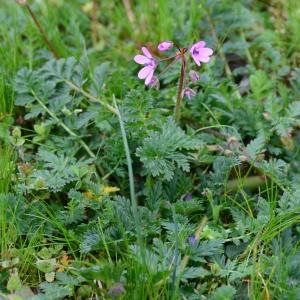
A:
185,187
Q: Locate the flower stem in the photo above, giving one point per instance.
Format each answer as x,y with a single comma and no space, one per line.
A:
68,130
167,67
180,88
168,58
42,31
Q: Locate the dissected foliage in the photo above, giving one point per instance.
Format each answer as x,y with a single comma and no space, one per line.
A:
218,193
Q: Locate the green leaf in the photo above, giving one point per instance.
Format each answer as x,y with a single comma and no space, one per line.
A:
294,109
45,253
210,248
162,152
260,84
91,273
194,272
255,147
46,265
264,211
98,78
63,69
14,283
225,292
90,241
54,291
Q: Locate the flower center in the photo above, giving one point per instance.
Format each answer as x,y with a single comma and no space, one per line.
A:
195,51
151,64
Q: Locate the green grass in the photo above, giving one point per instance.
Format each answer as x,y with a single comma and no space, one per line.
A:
91,240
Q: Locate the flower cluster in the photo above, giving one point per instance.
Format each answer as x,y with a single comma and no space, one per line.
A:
198,52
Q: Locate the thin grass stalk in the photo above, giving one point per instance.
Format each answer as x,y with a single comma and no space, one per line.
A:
131,178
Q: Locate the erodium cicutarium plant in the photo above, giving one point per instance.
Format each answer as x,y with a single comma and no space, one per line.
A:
197,53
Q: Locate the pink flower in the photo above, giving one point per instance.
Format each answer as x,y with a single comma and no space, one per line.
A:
189,93
149,65
199,53
194,76
165,45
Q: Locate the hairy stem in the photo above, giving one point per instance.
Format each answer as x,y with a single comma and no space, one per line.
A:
168,58
180,89
91,97
67,129
42,32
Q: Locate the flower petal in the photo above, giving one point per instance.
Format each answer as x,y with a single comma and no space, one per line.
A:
196,60
199,44
206,51
149,77
141,59
146,52
203,58
144,72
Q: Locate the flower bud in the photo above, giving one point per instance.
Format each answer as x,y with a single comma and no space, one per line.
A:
192,240
188,197
189,93
232,140
165,46
243,158
194,76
